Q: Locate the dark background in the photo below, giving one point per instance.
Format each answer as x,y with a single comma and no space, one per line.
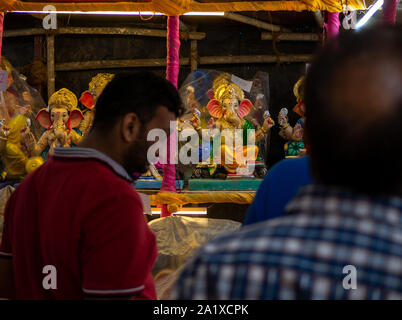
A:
223,38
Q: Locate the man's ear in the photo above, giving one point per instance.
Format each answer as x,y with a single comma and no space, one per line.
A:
130,127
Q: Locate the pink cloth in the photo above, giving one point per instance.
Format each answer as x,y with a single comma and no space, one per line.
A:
389,11
172,74
332,24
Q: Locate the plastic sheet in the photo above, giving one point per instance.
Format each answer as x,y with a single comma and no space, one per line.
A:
19,104
5,194
225,102
179,237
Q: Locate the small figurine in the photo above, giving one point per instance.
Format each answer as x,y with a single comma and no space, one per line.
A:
12,150
17,104
59,119
16,99
228,108
88,99
294,146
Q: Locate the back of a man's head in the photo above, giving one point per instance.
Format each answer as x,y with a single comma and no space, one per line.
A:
353,99
141,93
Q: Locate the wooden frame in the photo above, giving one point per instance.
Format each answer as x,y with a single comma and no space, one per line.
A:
193,60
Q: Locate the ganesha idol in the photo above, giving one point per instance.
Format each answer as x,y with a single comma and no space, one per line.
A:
13,150
88,99
17,104
228,108
59,119
294,146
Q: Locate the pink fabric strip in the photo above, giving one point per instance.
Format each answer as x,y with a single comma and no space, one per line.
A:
333,24
1,31
172,74
389,11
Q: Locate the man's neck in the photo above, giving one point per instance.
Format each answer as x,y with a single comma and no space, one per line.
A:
101,144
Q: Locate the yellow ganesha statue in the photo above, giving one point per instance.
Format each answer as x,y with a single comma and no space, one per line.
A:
59,119
228,108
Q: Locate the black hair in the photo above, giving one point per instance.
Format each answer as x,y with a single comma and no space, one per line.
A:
141,93
351,148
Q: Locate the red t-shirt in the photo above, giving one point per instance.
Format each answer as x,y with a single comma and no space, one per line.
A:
80,216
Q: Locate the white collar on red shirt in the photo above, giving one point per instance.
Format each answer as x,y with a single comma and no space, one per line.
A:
88,153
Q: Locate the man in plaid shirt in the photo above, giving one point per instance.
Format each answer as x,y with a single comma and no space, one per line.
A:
342,237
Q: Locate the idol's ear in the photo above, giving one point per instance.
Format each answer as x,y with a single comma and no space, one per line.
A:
244,108
43,118
214,108
298,109
74,119
87,100
210,94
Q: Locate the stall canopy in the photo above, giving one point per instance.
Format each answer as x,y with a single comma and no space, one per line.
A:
179,7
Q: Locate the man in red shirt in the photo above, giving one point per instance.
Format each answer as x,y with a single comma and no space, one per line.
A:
75,228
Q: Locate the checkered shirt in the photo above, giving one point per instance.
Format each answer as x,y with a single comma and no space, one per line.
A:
328,239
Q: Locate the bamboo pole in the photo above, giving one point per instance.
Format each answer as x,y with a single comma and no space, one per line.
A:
319,19
255,59
111,64
193,55
50,65
101,31
254,22
106,64
290,36
1,31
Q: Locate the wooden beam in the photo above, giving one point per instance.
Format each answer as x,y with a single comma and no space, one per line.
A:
177,7
50,65
137,63
290,36
102,31
255,59
111,64
254,22
126,5
23,32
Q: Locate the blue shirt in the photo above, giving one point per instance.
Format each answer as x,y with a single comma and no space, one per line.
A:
330,241
280,185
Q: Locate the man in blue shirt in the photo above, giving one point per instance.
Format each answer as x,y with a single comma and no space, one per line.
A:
341,237
280,185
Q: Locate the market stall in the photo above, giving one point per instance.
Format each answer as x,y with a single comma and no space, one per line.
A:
214,101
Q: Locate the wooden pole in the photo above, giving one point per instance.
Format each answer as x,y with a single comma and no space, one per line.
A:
158,63
193,55
254,22
50,65
1,31
102,31
319,18
290,36
39,54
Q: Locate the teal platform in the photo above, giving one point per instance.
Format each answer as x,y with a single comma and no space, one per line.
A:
223,185
155,184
